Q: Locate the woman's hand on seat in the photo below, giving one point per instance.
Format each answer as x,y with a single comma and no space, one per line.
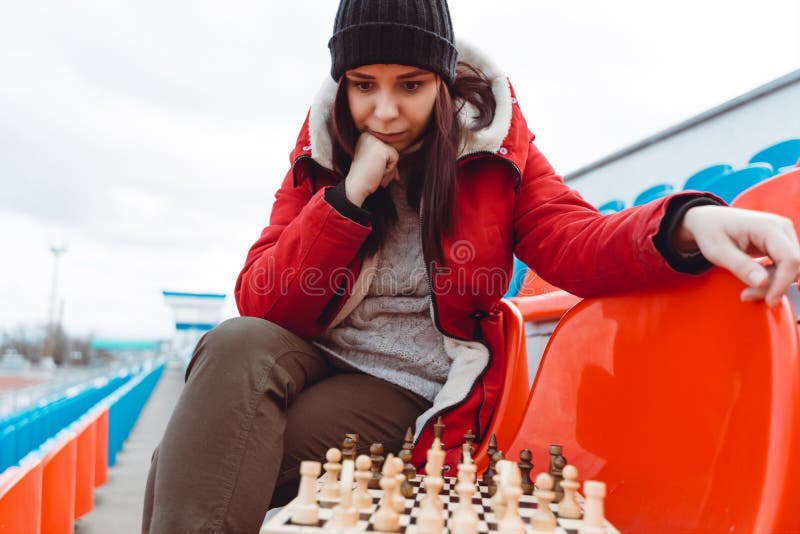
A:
729,237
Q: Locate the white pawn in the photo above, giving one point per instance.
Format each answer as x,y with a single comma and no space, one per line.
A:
465,519
361,497
344,514
569,507
543,519
386,517
399,499
498,500
431,520
593,520
511,523
306,510
330,490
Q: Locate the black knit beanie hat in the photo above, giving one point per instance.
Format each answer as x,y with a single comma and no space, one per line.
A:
405,32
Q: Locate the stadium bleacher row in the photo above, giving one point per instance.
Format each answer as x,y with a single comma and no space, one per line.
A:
54,456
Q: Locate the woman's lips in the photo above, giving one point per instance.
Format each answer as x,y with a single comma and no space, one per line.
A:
387,137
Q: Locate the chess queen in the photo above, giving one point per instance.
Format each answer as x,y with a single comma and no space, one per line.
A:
369,302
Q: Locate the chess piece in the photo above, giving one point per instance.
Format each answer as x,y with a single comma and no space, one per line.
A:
569,507
543,519
345,515
306,510
511,523
464,519
469,439
493,464
409,472
330,490
593,520
525,467
408,440
557,463
438,430
387,517
430,519
376,455
348,448
498,502
488,475
361,497
467,472
399,498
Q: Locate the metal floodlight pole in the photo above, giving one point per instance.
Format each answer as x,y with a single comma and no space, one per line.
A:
56,250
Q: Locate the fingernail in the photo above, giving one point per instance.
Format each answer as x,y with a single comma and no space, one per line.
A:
756,276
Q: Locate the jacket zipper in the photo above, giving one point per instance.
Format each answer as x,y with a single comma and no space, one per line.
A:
436,323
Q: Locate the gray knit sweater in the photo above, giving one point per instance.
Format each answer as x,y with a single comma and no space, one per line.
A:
390,334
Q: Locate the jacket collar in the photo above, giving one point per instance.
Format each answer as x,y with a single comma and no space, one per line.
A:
507,136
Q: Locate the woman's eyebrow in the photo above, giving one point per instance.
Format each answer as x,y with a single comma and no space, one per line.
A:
411,74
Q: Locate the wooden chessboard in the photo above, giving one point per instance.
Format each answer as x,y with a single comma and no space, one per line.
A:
281,523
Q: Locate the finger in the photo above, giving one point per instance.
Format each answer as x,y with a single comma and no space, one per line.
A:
725,253
786,256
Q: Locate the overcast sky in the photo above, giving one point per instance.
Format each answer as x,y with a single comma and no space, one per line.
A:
150,136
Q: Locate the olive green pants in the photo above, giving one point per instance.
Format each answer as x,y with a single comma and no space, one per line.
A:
258,400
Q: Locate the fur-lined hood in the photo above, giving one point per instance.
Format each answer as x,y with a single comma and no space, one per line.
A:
506,136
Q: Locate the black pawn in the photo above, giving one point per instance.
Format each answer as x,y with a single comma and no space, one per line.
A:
406,488
495,458
348,448
376,455
488,475
469,438
557,464
525,468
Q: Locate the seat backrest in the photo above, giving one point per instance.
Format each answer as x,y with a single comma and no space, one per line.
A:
685,401
699,180
511,406
780,194
652,193
21,497
58,484
779,155
729,186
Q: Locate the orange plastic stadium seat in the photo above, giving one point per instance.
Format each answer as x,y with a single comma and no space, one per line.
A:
511,406
21,498
533,284
780,194
685,401
101,450
58,486
84,479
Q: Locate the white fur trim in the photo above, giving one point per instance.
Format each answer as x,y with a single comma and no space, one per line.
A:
468,358
487,139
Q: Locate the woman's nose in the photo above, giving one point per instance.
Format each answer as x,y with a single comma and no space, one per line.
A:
386,107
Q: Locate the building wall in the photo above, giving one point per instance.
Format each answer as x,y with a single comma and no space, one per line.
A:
730,133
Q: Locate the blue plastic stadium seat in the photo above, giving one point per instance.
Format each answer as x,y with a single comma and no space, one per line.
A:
520,269
783,154
699,180
729,186
612,206
652,193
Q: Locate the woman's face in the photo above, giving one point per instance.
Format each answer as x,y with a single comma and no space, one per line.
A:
391,99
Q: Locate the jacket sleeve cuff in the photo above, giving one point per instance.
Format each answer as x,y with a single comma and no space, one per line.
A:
336,197
691,263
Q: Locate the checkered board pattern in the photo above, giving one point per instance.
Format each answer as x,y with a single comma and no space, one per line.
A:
280,523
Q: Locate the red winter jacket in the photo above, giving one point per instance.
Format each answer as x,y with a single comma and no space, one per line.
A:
302,271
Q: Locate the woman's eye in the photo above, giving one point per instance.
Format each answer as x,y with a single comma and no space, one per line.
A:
362,86
412,86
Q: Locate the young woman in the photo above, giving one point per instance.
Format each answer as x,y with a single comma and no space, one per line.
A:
369,302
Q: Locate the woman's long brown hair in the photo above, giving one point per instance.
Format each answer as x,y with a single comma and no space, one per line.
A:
431,170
